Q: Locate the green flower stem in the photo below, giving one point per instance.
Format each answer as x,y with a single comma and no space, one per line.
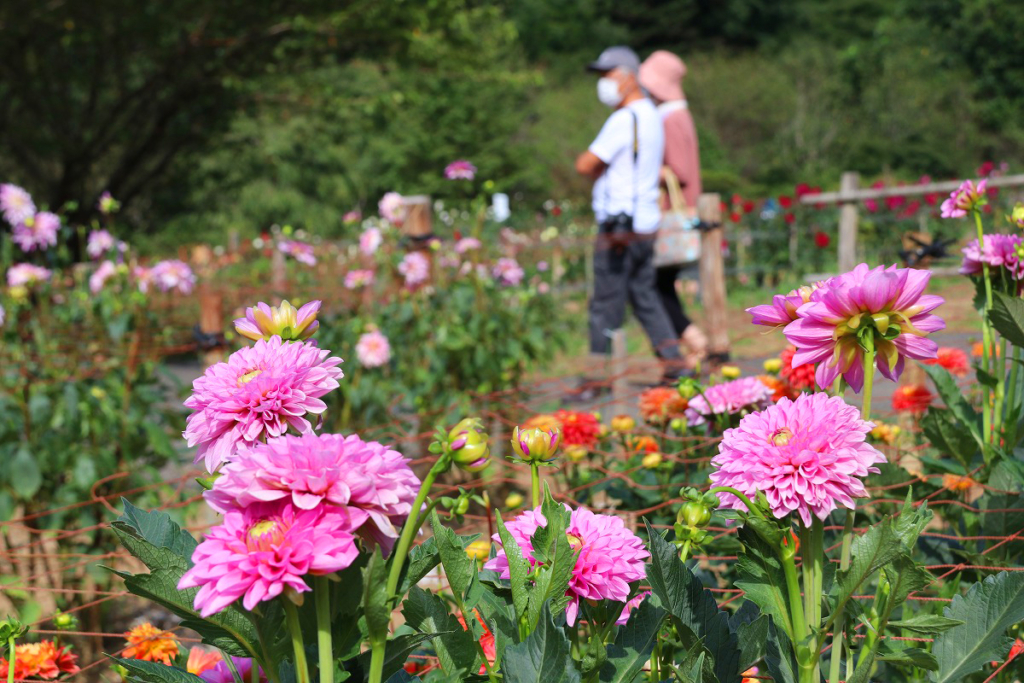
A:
999,370
1011,399
292,618
10,659
796,608
840,618
986,333
377,648
412,525
234,669
685,552
813,556
535,483
325,648
739,494
869,375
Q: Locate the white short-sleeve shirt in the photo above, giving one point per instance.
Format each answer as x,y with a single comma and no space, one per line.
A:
619,188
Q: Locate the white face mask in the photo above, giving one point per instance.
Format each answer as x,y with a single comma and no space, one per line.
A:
608,92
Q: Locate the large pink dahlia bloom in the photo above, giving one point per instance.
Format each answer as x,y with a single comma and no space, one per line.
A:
415,268
1000,251
16,204
610,555
260,391
746,393
256,553
37,232
807,456
888,303
221,672
373,349
370,241
24,274
373,483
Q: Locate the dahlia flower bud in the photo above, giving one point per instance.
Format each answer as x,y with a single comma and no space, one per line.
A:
479,550
677,424
11,628
468,445
651,461
536,444
688,387
694,515
514,501
730,372
65,622
1017,216
773,365
284,321
623,423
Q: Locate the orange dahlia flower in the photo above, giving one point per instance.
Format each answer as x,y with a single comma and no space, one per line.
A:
150,644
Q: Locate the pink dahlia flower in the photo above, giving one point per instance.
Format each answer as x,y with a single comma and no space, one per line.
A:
3,315
300,251
392,208
1000,251
415,268
460,170
965,198
353,216
630,606
263,322
100,276
807,456
373,483
258,552
782,310
889,301
370,241
38,232
373,349
746,393
25,274
508,272
16,204
466,244
356,279
610,555
170,275
221,673
100,242
260,391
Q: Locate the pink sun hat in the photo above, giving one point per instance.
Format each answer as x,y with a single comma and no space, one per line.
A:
662,74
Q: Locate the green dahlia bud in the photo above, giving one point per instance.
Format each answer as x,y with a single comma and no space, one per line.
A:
536,444
467,443
688,387
65,622
11,628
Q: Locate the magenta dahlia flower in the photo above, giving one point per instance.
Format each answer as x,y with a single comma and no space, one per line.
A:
610,555
37,232
744,394
221,673
26,274
300,251
415,268
263,322
170,275
258,552
807,456
630,606
16,204
890,302
260,391
782,310
507,271
357,279
1000,251
370,240
373,349
373,483
460,170
965,198
100,242
100,276
392,208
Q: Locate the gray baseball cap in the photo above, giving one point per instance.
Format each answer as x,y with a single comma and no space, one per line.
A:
617,56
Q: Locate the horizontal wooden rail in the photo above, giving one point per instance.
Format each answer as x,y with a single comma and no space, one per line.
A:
842,197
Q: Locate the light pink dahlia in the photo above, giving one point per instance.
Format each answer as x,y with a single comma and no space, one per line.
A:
415,268
887,303
807,456
967,197
610,555
16,204
507,271
100,276
258,552
372,482
171,275
460,170
370,241
782,310
466,244
37,232
25,274
356,279
221,673
300,251
1000,251
373,349
392,208
100,242
260,391
746,393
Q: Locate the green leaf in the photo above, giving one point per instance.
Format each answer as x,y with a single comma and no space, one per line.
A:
762,579
779,658
1007,316
955,401
543,657
153,672
396,654
428,614
375,598
518,567
948,435
905,576
460,569
911,656
633,644
753,639
988,610
29,477
421,561
683,595
926,624
556,560
500,617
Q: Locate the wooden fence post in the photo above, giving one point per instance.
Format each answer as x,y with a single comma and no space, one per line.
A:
848,223
211,321
619,368
712,276
419,215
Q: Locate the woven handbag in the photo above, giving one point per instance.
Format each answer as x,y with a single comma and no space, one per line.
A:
678,242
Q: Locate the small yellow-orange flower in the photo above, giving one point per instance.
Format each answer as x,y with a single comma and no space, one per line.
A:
957,483
658,405
546,422
780,389
200,660
41,660
643,444
150,644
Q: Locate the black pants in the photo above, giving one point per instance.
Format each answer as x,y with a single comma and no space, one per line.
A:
665,282
622,273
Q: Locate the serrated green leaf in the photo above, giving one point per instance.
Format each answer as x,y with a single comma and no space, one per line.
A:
421,561
460,569
911,656
428,614
518,568
500,617
779,658
905,576
557,559
544,657
926,624
948,435
402,676
988,610
375,598
154,528
955,401
1007,316
753,640
154,672
633,644
762,579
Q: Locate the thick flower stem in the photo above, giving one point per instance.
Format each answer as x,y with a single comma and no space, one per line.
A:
813,555
840,618
377,648
535,483
869,376
412,525
10,659
292,618
986,333
685,552
322,593
796,608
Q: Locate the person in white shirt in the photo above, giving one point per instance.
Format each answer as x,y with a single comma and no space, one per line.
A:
625,162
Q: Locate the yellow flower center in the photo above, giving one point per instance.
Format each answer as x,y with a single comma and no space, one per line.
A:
264,535
575,542
781,437
248,377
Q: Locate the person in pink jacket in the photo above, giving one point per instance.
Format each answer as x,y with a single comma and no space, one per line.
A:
661,75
